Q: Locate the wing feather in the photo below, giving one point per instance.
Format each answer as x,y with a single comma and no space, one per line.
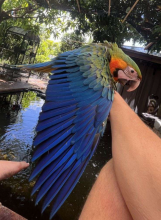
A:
78,100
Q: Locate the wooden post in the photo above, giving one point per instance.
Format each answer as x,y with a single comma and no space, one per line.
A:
7,214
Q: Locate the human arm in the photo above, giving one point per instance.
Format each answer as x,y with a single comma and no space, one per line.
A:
10,168
137,162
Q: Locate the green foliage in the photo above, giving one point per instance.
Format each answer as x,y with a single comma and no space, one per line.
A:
24,98
71,41
28,97
53,17
47,50
140,25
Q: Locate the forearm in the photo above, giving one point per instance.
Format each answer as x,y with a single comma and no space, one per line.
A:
137,162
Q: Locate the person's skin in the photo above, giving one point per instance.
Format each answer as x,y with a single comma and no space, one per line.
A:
10,168
137,162
136,171
105,201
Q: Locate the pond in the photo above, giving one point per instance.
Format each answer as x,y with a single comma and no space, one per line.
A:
18,118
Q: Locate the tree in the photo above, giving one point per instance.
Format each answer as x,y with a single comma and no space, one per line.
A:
46,50
143,23
30,16
71,41
104,22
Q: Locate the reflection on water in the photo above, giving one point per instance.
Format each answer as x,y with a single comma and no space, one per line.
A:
18,117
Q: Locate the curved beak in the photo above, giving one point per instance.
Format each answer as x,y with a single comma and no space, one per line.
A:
131,81
134,84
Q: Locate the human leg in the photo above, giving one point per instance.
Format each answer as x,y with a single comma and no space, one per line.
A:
105,201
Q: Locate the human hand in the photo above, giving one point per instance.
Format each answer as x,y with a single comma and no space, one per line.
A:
10,168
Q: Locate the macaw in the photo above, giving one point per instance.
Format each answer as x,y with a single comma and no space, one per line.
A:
79,97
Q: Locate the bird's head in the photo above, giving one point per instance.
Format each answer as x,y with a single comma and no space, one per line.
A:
123,69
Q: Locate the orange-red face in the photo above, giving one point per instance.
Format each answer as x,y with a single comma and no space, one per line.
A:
116,64
123,73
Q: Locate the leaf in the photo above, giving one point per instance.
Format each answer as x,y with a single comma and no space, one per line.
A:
128,9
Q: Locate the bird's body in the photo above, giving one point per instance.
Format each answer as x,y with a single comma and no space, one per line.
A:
78,101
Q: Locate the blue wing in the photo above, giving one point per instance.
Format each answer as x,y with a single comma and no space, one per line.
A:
78,100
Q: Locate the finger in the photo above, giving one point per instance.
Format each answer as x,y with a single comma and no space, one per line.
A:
9,168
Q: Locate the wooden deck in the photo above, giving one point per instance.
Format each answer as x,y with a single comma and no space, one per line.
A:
32,84
7,214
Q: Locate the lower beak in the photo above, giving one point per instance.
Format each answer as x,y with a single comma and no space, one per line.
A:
134,85
131,81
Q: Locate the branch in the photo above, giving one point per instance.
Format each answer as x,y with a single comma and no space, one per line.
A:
5,15
130,11
48,3
26,12
148,46
78,5
25,17
15,9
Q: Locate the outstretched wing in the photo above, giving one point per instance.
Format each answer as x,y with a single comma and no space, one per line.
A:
78,100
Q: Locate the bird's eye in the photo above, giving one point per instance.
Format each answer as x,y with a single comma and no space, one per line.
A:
132,71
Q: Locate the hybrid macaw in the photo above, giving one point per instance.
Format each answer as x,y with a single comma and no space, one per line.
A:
79,97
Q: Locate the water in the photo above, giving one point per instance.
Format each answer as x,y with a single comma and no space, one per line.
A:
17,130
